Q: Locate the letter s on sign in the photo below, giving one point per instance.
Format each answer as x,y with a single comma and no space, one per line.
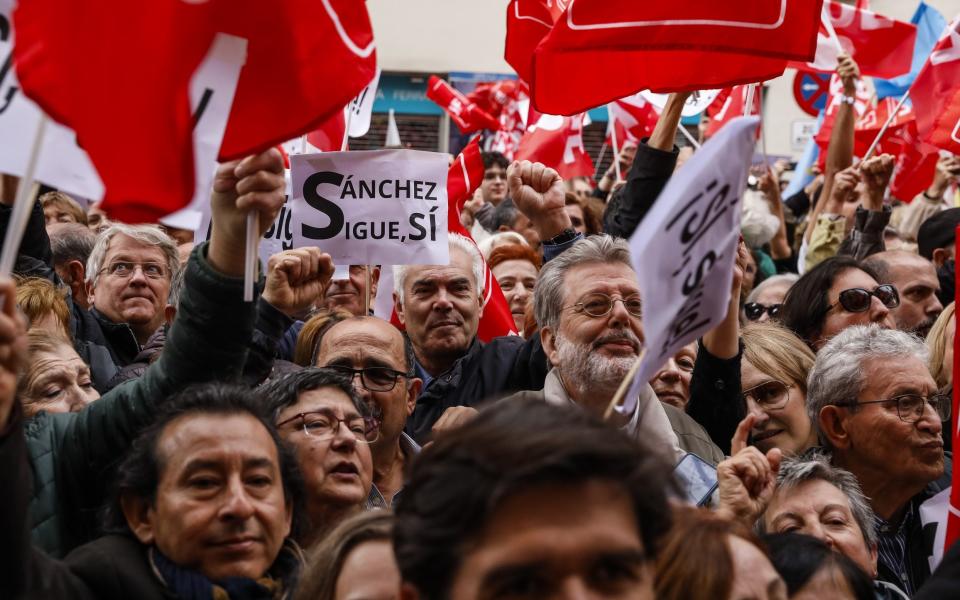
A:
323,205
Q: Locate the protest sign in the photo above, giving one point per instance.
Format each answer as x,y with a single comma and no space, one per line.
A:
386,207
696,103
361,107
64,165
684,250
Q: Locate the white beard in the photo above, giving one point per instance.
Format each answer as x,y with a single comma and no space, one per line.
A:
587,370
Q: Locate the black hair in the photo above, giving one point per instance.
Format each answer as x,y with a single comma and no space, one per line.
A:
457,483
494,158
285,391
505,214
140,471
797,558
807,302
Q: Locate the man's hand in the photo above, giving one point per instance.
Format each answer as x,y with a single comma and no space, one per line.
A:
948,169
844,188
453,417
747,479
296,279
849,73
875,173
13,348
254,183
470,208
538,193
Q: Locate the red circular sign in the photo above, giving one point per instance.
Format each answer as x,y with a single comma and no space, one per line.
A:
810,90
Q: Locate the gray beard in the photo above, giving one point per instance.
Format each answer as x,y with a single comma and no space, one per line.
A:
589,373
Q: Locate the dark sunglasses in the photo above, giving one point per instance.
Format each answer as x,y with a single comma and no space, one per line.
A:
755,310
858,299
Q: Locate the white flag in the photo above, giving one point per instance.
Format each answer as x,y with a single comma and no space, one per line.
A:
685,248
362,106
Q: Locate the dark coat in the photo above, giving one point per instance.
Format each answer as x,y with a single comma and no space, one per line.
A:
505,365
72,455
648,175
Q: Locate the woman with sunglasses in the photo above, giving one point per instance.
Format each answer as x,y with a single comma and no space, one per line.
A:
773,377
766,300
836,294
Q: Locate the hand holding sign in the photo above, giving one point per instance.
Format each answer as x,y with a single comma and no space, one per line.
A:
296,279
254,183
747,479
538,192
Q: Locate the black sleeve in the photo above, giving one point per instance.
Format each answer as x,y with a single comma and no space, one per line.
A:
715,395
648,175
35,244
270,326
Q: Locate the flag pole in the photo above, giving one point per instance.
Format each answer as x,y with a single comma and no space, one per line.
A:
624,385
886,124
688,136
22,203
366,294
828,25
250,258
346,130
763,130
613,140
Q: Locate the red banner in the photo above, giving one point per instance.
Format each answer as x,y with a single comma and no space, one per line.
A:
466,114
557,142
733,106
936,93
634,119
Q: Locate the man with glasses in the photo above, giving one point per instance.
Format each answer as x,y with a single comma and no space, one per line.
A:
379,360
587,303
319,414
877,410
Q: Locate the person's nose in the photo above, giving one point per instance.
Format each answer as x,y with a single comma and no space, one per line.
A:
574,588
358,386
75,397
764,317
343,439
878,310
442,301
760,416
619,317
138,277
237,504
670,372
929,421
934,307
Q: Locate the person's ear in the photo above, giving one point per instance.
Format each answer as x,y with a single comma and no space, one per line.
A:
169,313
549,341
503,228
398,307
413,391
77,273
374,281
139,515
833,422
940,256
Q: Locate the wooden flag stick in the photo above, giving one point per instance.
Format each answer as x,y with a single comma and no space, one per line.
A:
250,258
366,293
693,141
613,140
624,385
886,124
346,130
828,25
22,204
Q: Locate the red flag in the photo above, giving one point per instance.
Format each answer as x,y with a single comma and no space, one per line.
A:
120,68
882,47
528,22
466,114
329,136
634,119
953,512
869,125
557,142
601,50
733,106
861,105
463,179
936,93
915,167
306,59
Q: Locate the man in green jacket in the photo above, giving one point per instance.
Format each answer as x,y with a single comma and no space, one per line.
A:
73,455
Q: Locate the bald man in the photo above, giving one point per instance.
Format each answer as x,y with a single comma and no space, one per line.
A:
916,279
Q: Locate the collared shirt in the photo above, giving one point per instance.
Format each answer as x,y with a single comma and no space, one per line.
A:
892,547
376,500
422,374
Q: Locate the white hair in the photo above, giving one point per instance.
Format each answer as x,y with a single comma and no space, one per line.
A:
757,223
456,241
499,239
148,235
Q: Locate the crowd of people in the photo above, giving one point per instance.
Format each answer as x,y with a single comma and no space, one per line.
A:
162,438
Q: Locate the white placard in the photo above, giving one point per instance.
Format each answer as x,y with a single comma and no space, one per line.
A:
386,207
361,107
685,248
65,166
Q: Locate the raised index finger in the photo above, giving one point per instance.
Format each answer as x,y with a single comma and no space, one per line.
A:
739,441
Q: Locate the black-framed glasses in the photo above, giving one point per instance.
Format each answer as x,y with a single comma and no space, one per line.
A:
600,305
755,310
124,269
910,407
324,424
373,379
769,395
858,300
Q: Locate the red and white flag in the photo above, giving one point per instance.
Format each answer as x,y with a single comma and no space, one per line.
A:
329,136
463,179
936,93
633,119
734,105
507,100
868,127
465,113
882,47
557,142
600,50
915,167
305,61
861,104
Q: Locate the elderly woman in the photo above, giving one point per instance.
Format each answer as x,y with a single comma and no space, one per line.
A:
516,268
765,301
56,380
354,561
835,294
773,377
44,305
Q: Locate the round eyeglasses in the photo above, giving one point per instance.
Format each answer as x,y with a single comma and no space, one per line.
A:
323,425
769,395
600,305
